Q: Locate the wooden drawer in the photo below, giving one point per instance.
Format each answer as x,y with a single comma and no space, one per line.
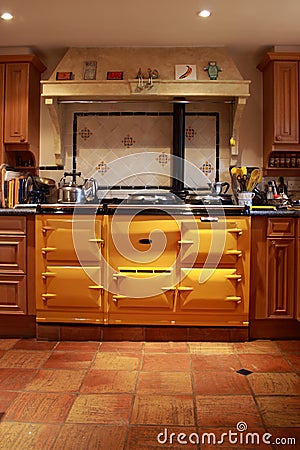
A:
13,254
12,225
281,227
13,294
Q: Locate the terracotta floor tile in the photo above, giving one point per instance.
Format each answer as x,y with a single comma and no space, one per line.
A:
294,360
101,409
24,436
280,411
227,411
215,363
6,344
24,359
59,380
258,347
121,346
214,383
265,363
117,361
15,379
154,437
164,383
275,383
33,344
289,346
40,407
6,399
211,348
215,438
166,347
113,381
69,360
166,362
163,410
77,346
90,437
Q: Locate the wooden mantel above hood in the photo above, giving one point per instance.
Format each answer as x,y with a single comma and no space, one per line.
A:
230,86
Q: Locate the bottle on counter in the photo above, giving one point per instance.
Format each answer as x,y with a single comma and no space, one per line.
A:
270,193
282,188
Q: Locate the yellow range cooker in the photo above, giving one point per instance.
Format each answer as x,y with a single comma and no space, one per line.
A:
149,268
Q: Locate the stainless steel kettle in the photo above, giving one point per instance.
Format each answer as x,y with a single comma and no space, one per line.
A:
217,187
70,190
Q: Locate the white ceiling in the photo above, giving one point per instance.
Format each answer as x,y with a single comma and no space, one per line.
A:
245,24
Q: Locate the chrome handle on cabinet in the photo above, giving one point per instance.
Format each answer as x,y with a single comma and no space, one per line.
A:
46,228
238,253
233,299
48,274
116,298
97,240
46,297
96,286
234,277
45,250
239,231
209,219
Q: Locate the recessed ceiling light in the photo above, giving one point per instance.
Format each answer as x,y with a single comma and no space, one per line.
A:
204,13
7,16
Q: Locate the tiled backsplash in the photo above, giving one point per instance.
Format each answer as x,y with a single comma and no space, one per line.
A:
131,145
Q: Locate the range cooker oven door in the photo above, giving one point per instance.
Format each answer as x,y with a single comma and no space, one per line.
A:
142,241
71,294
142,296
66,239
212,297
211,242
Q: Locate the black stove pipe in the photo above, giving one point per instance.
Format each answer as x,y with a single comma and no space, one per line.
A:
178,147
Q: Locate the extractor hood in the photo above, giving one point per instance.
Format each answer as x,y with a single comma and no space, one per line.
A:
126,62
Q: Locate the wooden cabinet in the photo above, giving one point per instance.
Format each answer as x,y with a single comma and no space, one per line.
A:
69,269
13,298
20,121
274,278
281,112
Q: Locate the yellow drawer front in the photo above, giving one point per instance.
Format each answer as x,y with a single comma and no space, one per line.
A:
71,239
71,287
144,241
209,289
143,288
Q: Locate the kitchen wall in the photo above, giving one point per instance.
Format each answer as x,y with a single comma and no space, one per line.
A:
250,147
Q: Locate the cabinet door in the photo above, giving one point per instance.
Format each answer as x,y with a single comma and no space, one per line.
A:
12,294
281,278
2,67
13,254
286,103
16,103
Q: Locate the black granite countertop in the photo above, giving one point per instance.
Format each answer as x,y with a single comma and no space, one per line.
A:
30,210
